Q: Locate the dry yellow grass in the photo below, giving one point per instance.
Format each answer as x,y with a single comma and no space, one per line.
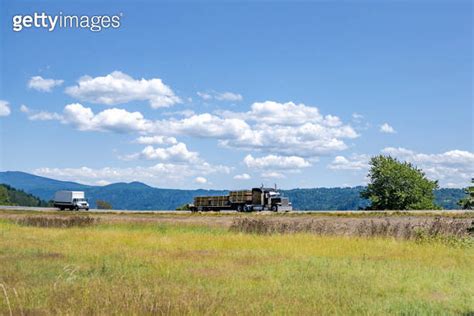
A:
139,268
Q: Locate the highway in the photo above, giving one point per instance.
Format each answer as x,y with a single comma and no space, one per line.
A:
92,210
53,209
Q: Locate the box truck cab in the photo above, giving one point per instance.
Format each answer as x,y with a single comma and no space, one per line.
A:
73,200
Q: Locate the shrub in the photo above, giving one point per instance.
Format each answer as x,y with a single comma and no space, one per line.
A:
430,228
61,222
184,207
449,231
261,226
103,205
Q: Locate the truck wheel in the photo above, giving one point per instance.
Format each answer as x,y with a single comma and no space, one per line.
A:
61,208
239,208
275,208
76,208
87,209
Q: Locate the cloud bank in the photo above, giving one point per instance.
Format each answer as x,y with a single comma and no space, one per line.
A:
452,168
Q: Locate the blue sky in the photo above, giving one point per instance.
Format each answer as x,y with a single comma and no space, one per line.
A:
298,94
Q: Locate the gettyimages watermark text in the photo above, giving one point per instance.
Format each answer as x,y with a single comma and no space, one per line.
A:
94,23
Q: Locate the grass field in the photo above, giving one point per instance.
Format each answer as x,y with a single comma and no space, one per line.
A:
166,268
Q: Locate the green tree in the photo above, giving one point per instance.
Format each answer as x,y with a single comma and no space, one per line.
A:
467,203
103,205
396,185
4,198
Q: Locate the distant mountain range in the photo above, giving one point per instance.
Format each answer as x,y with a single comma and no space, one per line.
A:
139,196
132,196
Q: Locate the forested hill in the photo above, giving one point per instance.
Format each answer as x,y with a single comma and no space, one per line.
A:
12,196
327,198
349,198
139,196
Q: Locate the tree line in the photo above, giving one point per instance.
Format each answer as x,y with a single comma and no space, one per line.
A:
12,196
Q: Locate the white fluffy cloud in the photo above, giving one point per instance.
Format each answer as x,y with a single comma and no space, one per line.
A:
203,125
200,180
119,120
24,109
44,116
34,115
4,108
272,175
387,129
276,162
156,140
288,113
184,113
355,162
308,140
243,176
288,128
116,120
117,87
42,84
228,96
175,153
220,96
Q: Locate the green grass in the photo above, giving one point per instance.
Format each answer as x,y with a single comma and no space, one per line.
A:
134,268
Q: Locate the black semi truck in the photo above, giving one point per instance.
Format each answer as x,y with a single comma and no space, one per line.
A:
257,199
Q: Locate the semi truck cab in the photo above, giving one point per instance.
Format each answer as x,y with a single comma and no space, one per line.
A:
272,200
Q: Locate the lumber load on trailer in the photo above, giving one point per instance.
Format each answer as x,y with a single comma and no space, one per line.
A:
214,201
242,196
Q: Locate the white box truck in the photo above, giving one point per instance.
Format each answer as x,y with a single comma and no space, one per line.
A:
73,200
